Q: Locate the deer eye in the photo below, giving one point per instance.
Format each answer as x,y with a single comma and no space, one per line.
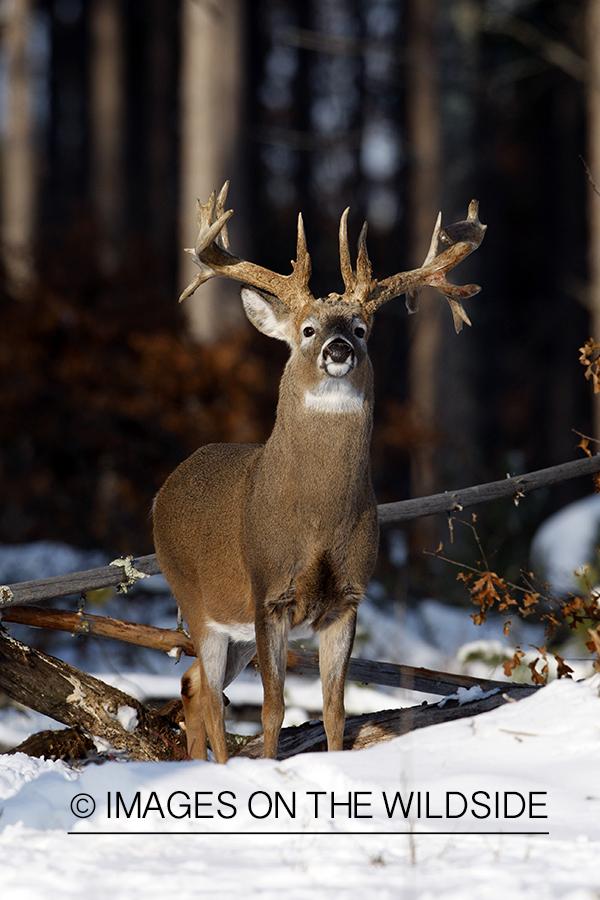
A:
360,331
308,331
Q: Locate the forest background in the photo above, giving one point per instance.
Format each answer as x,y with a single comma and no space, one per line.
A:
115,116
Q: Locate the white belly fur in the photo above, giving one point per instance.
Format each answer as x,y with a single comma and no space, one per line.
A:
243,632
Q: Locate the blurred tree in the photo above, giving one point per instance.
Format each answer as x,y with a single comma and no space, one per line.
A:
424,195
212,66
18,178
107,101
592,31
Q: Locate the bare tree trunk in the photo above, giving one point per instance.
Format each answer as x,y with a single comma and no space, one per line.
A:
423,123
107,114
18,159
211,79
592,31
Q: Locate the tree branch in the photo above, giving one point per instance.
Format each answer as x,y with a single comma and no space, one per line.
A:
87,705
515,488
300,662
389,513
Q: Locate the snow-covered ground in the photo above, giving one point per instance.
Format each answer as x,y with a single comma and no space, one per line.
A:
502,804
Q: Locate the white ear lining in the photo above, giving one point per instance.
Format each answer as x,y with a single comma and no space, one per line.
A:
262,313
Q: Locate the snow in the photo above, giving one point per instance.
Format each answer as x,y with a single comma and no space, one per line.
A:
567,542
321,823
467,695
127,717
45,559
502,804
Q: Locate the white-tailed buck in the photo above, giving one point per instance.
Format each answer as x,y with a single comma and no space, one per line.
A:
260,541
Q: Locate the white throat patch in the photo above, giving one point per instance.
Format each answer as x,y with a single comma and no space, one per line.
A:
334,395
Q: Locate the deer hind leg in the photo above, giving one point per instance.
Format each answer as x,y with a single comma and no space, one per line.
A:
238,656
335,647
212,658
195,728
271,641
202,696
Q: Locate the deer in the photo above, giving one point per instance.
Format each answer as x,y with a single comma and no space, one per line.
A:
263,542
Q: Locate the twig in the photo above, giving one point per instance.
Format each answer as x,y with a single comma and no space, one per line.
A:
589,175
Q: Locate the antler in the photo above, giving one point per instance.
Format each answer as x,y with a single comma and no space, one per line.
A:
358,285
463,238
213,257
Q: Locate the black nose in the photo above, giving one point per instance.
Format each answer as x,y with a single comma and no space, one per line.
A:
338,351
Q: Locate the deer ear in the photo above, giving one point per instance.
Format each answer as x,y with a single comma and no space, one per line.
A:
267,313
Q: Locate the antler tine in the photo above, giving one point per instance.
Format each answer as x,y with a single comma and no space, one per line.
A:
413,296
209,226
302,265
212,255
358,285
364,270
345,261
463,238
223,238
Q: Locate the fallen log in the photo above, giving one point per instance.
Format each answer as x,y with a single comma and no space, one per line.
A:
300,662
68,695
425,681
26,592
375,728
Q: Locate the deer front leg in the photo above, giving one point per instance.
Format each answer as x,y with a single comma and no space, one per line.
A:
335,647
271,643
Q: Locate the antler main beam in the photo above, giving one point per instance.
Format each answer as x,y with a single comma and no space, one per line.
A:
462,238
211,254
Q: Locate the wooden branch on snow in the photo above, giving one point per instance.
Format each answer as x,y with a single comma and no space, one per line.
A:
26,592
300,662
375,728
78,700
91,707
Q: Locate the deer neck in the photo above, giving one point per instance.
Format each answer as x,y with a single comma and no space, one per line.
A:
326,441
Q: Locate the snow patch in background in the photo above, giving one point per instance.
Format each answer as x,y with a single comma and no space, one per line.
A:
565,542
45,559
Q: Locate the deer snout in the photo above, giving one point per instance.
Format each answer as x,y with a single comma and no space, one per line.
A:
338,351
338,357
